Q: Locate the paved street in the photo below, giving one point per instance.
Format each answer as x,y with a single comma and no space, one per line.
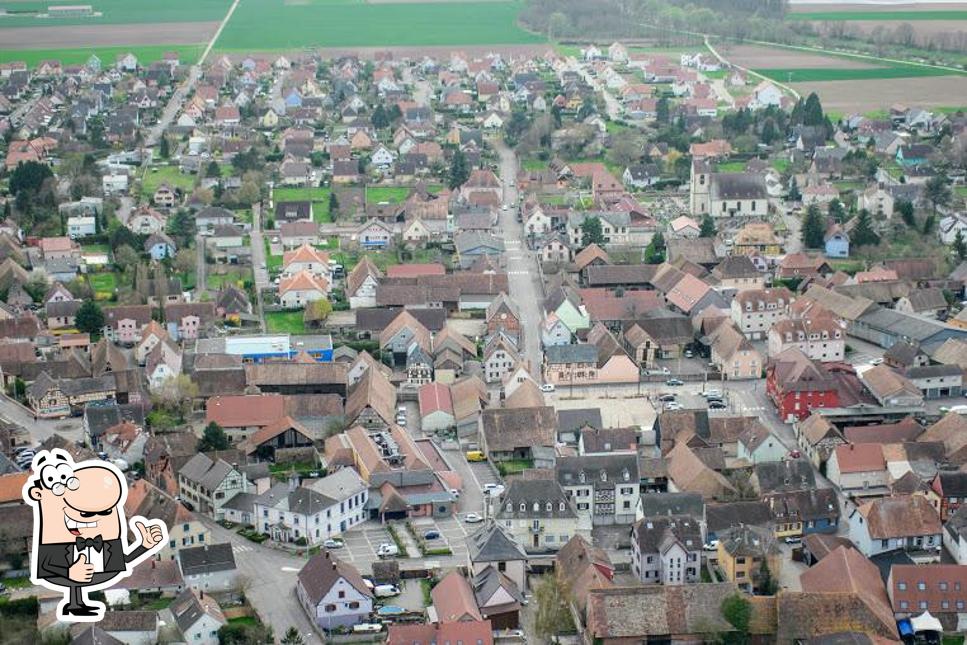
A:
39,430
259,269
522,270
201,266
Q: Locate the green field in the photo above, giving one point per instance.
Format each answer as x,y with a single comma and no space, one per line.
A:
78,56
215,281
731,166
284,322
157,175
817,74
318,196
103,285
949,14
119,12
277,25
388,194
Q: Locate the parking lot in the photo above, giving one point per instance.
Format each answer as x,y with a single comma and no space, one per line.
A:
453,534
362,542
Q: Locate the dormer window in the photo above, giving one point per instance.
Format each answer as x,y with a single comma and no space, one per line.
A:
537,506
523,507
549,507
561,506
625,475
510,507
582,477
604,476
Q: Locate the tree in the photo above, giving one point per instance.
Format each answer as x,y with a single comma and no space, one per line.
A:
591,232
213,170
459,170
292,637
587,108
164,148
708,227
213,438
175,394
125,257
812,111
316,312
769,132
863,233
181,227
185,260
244,634
767,584
928,224
655,251
960,246
936,191
737,610
379,118
333,204
89,318
813,228
794,194
248,193
836,210
661,110
556,115
29,176
905,208
553,615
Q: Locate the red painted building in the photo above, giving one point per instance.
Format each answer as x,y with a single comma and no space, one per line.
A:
797,385
951,487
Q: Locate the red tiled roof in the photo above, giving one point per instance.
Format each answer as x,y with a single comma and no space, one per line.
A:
245,410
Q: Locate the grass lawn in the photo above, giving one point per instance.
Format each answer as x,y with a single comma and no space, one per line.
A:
318,196
817,74
961,191
284,322
730,166
532,165
154,176
272,262
244,620
103,284
79,55
215,282
119,12
278,25
717,74
514,466
390,194
95,248
848,266
950,14
849,185
382,259
782,165
158,604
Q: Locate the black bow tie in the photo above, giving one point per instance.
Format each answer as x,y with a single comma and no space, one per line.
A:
84,543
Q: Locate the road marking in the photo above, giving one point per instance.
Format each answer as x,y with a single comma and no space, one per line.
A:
290,569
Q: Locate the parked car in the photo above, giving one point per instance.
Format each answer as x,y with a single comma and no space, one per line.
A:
713,394
431,535
717,405
689,353
475,455
547,387
494,490
658,371
673,405
386,591
674,382
665,398
711,545
793,539
334,543
386,550
401,420
472,518
368,628
876,361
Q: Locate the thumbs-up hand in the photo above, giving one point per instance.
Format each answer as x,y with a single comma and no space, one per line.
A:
80,571
152,533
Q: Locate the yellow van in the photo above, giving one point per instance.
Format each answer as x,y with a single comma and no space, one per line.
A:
476,455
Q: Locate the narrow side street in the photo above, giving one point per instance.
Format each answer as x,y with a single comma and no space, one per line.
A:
523,274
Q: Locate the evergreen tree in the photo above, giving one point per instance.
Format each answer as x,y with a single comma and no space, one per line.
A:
587,109
936,191
333,204
905,208
794,194
708,227
459,170
812,111
769,132
380,119
960,246
89,318
655,251
863,233
591,232
813,228
212,170
662,113
836,210
164,148
213,438
28,176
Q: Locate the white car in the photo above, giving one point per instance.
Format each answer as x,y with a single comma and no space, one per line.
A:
494,490
401,421
505,207
712,545
386,550
368,628
334,543
876,361
386,591
547,387
712,394
472,518
673,405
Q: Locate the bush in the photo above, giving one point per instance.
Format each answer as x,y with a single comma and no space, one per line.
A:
302,542
20,607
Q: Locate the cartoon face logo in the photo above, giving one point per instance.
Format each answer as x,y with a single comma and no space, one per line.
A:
80,541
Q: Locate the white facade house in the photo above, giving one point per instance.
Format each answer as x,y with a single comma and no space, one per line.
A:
295,514
755,311
905,522
667,550
820,339
81,226
333,593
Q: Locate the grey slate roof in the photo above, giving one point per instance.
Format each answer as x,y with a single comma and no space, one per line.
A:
654,534
659,504
210,558
201,470
492,544
575,419
541,498
617,469
793,474
570,354
303,501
